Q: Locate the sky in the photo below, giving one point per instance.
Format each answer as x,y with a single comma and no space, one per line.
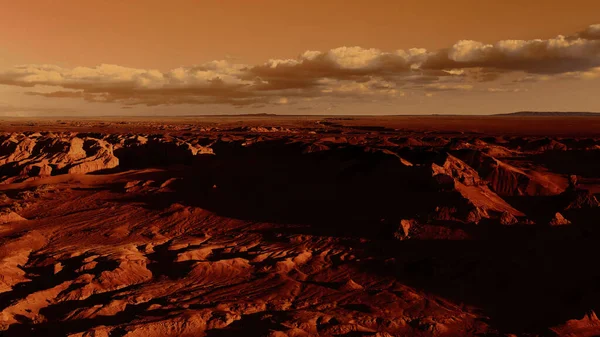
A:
183,57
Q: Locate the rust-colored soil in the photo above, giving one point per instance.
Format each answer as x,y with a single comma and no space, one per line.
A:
300,226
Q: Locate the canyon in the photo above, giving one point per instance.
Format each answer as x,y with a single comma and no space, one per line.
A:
300,226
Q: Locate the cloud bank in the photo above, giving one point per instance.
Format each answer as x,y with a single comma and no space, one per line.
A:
345,72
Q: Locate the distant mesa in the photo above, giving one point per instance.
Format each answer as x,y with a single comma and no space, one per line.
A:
551,114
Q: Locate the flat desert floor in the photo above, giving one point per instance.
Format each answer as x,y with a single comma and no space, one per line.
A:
300,226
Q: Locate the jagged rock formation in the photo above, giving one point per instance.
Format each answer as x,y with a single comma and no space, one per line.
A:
578,199
543,145
508,180
320,230
25,157
403,231
7,215
559,220
478,201
588,326
507,218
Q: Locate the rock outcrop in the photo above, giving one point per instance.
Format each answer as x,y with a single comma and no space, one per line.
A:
588,326
475,201
7,215
24,157
508,180
559,220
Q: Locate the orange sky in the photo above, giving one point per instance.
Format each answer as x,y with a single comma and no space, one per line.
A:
163,35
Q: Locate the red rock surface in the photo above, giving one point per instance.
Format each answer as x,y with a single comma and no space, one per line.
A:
295,228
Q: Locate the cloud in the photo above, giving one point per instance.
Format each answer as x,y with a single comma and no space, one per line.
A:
213,82
591,33
553,56
447,87
345,72
589,74
506,89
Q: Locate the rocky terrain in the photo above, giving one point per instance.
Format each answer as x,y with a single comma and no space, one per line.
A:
297,227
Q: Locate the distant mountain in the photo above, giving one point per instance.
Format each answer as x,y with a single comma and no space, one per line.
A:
228,115
551,114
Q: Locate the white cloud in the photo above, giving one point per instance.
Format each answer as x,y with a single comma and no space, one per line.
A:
469,51
345,71
353,57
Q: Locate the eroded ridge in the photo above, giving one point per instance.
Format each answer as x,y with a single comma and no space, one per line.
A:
297,231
